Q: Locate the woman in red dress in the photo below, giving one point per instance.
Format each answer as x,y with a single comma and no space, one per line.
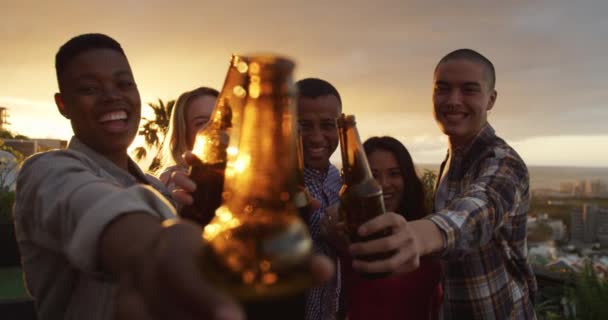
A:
414,295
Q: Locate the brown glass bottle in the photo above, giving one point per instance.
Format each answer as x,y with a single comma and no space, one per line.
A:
212,142
258,248
360,196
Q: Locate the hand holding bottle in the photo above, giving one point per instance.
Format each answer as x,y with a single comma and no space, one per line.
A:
409,241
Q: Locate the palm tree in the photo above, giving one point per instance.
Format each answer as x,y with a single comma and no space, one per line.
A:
154,131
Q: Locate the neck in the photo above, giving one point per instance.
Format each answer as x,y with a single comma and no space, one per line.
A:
461,142
120,159
321,170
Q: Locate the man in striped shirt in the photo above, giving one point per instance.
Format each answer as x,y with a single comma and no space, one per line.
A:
481,203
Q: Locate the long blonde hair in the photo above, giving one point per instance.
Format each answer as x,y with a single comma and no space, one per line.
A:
175,143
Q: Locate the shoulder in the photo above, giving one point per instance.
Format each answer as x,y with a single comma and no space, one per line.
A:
502,151
500,159
56,161
333,175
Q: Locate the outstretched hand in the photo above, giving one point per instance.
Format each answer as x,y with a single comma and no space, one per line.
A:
162,279
409,240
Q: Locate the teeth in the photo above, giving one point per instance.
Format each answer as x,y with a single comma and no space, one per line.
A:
112,116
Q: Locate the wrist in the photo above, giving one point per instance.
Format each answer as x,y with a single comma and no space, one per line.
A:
429,236
126,239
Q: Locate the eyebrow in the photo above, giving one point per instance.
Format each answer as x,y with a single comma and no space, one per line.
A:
86,76
469,83
90,76
123,72
472,84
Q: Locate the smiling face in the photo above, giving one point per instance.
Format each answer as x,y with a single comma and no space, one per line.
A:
100,98
317,118
461,98
385,168
198,113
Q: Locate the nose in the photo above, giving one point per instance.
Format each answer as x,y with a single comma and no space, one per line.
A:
454,98
315,136
110,93
383,181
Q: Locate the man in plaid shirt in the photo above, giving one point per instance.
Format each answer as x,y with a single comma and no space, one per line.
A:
481,203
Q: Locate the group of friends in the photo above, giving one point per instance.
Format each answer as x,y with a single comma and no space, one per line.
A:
100,239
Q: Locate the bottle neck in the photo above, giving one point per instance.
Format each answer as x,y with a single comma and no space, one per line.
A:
355,168
264,171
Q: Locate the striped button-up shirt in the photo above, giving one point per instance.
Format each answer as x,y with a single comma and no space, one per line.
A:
322,302
486,272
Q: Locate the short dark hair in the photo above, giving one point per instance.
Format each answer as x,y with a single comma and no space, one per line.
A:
476,57
314,88
79,45
413,205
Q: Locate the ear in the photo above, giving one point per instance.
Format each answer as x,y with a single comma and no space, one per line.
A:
61,105
493,97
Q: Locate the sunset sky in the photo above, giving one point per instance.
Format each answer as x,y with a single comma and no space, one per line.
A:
551,59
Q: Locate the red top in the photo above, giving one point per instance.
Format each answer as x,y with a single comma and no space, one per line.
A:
414,295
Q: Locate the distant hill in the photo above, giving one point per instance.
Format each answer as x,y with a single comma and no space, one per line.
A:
546,177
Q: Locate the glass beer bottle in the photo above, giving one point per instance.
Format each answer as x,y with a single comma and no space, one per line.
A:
211,145
258,248
361,195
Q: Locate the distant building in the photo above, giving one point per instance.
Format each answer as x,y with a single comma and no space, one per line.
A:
566,187
589,224
31,146
602,227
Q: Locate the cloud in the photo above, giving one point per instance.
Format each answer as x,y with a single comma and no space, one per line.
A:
549,54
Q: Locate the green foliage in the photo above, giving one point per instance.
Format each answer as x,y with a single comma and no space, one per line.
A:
7,199
428,182
5,134
589,295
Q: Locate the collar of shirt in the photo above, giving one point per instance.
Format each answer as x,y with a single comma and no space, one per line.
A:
462,158
133,176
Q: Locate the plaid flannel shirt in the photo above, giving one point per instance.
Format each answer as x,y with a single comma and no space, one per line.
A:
322,301
486,272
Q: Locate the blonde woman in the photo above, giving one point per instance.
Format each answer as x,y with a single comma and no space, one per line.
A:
191,112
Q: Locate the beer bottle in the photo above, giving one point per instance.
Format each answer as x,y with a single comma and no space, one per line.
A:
361,195
211,145
258,249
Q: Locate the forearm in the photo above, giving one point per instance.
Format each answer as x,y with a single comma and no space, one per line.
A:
124,238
